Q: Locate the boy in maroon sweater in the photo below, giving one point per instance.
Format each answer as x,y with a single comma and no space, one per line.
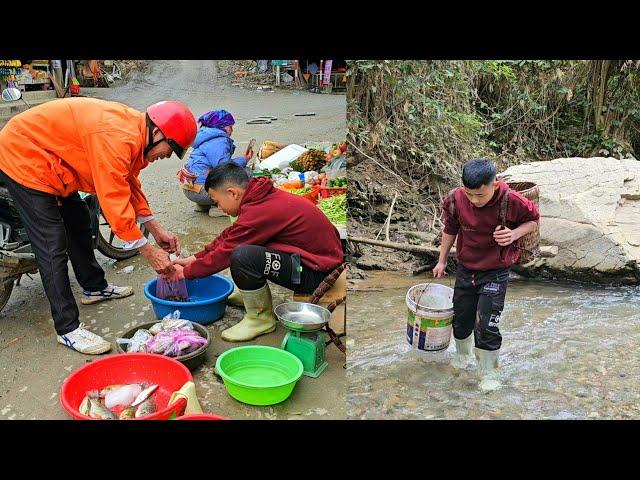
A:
278,236
485,251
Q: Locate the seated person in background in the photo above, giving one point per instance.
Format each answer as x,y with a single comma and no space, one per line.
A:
278,236
213,146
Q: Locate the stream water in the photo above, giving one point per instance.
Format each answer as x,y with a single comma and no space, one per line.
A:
569,352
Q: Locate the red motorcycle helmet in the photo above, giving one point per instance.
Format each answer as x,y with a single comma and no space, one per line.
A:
177,124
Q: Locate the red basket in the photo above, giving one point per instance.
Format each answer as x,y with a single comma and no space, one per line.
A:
313,196
168,373
201,416
326,192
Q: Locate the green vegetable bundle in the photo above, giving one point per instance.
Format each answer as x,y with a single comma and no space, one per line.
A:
338,182
299,191
335,208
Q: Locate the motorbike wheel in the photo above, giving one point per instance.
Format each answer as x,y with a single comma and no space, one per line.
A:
108,250
5,291
106,246
105,240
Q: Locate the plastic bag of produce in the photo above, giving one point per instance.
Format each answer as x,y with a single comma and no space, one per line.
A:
336,168
310,176
176,341
293,176
137,343
279,179
172,320
171,288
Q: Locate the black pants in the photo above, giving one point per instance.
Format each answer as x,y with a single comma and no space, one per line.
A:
253,265
59,229
478,301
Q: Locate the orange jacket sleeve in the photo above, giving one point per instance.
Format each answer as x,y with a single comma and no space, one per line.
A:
138,198
110,155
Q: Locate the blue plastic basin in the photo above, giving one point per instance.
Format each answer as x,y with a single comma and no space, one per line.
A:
209,299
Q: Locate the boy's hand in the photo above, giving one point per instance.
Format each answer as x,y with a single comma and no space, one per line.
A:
504,236
173,276
179,273
183,262
440,270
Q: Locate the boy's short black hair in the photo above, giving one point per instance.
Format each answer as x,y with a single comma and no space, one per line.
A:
226,173
478,172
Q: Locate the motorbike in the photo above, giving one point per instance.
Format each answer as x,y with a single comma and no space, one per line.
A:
16,256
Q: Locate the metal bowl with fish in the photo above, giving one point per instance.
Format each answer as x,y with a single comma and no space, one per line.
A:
302,316
121,370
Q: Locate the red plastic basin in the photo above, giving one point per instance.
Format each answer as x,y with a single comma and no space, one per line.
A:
150,368
201,416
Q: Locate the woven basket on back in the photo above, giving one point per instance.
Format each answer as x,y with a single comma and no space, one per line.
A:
530,243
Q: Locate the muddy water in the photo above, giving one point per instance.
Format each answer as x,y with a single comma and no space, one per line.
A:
569,352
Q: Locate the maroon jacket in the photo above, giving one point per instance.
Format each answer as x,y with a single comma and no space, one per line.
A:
277,220
476,248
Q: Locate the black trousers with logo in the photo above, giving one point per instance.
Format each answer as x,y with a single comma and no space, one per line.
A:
478,301
59,230
253,265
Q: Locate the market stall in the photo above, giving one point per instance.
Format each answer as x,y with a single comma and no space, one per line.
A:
34,75
326,76
320,76
9,70
316,172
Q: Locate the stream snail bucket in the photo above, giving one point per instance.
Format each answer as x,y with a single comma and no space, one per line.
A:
430,317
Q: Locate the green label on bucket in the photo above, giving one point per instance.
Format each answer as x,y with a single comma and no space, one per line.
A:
426,322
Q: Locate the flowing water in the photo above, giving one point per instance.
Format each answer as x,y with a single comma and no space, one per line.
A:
569,352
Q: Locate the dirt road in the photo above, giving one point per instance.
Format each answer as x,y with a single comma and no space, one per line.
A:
33,366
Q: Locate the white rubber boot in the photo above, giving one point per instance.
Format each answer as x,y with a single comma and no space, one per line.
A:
463,358
488,369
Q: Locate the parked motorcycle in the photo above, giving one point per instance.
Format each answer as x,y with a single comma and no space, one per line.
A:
16,256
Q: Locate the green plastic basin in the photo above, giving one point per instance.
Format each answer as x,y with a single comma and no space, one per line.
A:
259,375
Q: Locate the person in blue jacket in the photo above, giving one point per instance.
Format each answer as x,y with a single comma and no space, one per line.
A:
213,146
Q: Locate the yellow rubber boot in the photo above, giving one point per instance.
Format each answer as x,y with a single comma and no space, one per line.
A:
235,298
258,320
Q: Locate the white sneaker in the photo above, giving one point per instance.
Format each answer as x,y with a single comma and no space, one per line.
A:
84,341
109,293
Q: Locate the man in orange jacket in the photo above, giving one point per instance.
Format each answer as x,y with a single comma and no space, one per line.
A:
49,153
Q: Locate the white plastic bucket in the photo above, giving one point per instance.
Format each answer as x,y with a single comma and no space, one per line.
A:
430,322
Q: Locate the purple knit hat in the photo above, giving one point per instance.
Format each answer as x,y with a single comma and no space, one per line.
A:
216,119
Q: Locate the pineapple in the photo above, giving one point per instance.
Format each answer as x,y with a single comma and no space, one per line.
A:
311,160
